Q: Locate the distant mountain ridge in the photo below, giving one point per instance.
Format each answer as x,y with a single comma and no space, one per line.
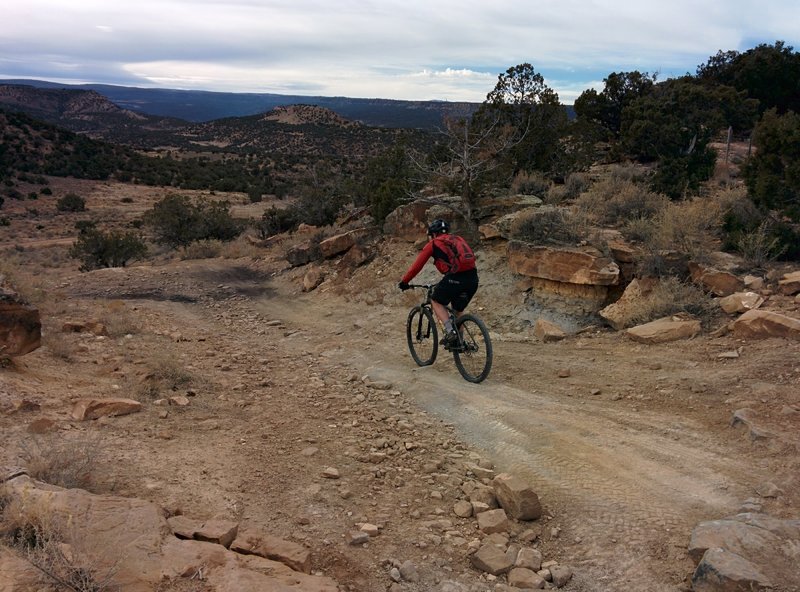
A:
201,106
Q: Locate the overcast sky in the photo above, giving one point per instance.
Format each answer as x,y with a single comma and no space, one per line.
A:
398,49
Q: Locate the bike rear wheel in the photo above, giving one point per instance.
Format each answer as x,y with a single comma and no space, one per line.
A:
473,357
422,335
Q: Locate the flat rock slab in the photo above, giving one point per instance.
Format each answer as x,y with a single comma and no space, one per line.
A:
762,324
95,408
664,330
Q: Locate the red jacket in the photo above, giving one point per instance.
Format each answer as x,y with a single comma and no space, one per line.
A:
440,259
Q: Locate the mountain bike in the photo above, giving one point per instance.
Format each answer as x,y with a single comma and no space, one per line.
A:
473,351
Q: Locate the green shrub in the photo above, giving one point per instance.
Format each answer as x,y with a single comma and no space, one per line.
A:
96,249
274,221
46,191
773,172
176,221
255,194
71,202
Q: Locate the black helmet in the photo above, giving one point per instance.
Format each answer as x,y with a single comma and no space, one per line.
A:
438,226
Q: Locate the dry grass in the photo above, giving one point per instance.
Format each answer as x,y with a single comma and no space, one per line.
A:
691,227
60,461
202,249
165,374
668,297
616,200
550,226
209,249
58,551
759,247
120,320
28,289
530,184
59,345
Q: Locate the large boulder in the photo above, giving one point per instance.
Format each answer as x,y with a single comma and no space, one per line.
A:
719,283
741,302
303,253
410,221
567,265
340,243
762,324
619,313
20,325
745,552
789,284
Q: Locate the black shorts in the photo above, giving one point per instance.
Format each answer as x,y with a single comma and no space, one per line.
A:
456,289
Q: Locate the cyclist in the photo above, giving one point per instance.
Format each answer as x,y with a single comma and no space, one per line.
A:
455,259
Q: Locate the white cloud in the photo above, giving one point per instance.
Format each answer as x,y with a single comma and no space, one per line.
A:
414,49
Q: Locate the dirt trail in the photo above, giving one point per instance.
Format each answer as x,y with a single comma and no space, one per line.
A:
624,480
628,449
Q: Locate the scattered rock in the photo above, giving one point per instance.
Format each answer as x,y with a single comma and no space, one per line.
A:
790,283
358,538
85,409
517,497
491,559
525,579
719,283
93,327
741,302
560,575
547,331
493,521
463,509
665,329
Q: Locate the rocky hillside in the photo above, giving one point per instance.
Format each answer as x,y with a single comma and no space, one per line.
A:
86,112
300,114
198,106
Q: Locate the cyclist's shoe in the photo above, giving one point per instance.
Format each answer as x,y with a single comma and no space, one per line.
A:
450,340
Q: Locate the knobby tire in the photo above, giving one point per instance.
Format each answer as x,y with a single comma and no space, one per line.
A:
474,359
422,335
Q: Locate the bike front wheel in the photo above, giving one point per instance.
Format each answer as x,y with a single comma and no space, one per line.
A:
422,335
473,356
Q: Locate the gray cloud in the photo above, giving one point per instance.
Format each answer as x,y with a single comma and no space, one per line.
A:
433,49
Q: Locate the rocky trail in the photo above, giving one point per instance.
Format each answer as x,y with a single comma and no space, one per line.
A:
304,415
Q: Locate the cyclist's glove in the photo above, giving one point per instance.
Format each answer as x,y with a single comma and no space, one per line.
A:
403,286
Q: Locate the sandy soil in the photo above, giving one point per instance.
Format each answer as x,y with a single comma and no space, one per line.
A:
628,446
